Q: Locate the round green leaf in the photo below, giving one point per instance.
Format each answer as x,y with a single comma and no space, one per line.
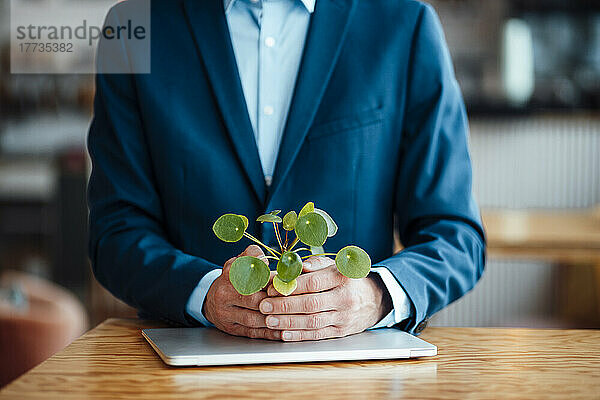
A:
353,262
289,221
332,227
312,229
275,212
285,288
248,275
230,227
289,266
308,208
245,219
268,218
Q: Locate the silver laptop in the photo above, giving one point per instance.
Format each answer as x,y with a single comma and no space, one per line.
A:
209,346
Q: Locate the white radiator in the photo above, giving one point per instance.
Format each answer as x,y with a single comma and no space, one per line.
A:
535,162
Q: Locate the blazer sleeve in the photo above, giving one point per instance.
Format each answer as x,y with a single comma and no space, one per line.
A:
436,216
129,250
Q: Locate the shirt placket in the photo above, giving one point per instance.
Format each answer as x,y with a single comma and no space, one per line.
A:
267,101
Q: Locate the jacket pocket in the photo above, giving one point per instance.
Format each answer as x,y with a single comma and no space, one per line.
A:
347,123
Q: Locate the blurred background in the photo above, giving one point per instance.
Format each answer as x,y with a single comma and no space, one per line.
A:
530,74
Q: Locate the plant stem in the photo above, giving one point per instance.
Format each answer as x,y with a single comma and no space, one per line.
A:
294,243
286,240
301,249
317,255
255,240
272,258
276,228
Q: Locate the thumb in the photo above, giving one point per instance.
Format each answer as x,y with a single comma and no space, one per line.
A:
316,263
227,265
255,251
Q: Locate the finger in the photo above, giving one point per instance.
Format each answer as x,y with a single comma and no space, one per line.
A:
316,263
320,281
317,334
303,321
271,292
252,250
269,289
255,251
250,302
255,333
301,304
314,282
247,318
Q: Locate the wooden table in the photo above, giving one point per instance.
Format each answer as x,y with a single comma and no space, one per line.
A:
113,361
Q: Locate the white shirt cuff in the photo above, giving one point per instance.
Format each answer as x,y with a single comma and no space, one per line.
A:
400,301
196,300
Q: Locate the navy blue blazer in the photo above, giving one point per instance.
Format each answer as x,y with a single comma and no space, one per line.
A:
376,135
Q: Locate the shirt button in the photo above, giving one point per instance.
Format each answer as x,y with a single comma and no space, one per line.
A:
269,41
268,110
254,1
268,180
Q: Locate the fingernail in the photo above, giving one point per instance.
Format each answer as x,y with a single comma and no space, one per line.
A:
287,335
266,306
272,321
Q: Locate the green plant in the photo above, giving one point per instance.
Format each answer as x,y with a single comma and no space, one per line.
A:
311,226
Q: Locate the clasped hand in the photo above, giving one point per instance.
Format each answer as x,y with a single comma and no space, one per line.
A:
325,304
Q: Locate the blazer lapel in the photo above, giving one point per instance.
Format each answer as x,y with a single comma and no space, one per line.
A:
207,22
323,43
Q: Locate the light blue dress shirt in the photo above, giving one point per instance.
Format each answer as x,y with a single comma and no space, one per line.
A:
268,40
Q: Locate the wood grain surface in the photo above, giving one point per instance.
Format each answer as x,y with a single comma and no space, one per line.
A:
113,361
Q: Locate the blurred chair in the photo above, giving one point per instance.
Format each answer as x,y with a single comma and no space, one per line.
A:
37,319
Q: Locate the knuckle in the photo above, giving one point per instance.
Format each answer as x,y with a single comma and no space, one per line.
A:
312,304
313,283
247,319
271,334
257,333
284,306
252,333
349,300
343,319
285,322
313,322
291,322
255,299
319,334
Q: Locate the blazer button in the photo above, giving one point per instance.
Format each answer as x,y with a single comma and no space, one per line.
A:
421,326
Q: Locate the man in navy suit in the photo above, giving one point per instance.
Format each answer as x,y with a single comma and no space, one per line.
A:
254,105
